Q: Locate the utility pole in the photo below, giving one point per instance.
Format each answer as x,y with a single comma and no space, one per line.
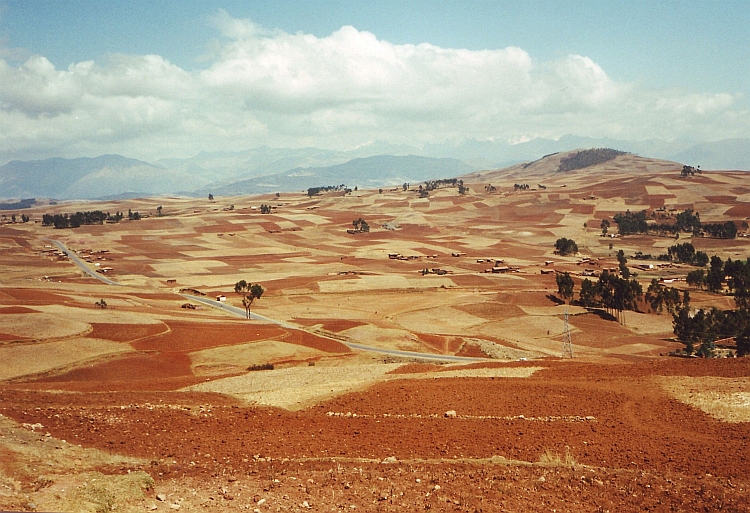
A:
567,348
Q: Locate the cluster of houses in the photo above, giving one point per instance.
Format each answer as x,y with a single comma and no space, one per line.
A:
439,272
49,251
399,256
498,267
90,256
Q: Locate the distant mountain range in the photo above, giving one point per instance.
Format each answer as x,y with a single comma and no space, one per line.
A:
266,169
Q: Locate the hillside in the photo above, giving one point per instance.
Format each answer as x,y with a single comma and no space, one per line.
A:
369,172
86,178
559,163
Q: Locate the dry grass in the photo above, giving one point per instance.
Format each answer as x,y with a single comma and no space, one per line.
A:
27,359
550,458
93,492
61,474
297,387
725,399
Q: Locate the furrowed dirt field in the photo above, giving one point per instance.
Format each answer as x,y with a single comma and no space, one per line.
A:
349,392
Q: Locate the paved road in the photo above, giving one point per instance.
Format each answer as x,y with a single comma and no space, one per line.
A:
80,263
240,312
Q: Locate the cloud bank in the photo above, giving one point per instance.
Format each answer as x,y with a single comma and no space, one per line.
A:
268,87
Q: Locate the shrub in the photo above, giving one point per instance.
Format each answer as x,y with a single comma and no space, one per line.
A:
261,367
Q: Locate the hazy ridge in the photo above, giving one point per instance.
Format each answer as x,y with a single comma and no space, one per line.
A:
266,169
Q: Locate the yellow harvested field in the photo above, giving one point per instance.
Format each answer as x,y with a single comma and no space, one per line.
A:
239,357
41,325
726,399
297,387
34,358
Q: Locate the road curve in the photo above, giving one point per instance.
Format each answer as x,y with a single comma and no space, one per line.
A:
240,312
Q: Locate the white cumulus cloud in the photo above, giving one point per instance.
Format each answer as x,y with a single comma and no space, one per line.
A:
270,87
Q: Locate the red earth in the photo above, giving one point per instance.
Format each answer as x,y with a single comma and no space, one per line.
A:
635,447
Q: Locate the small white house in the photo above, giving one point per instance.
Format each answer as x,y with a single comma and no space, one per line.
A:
221,298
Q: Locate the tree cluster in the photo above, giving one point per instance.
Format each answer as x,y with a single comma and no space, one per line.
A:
612,293
265,209
689,171
17,205
718,272
315,191
587,158
631,222
688,221
565,247
521,186
703,327
685,253
727,230
659,297
79,219
360,225
431,185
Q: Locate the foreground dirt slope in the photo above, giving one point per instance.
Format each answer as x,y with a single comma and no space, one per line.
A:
149,389
634,445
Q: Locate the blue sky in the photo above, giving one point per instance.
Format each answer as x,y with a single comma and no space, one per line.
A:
210,75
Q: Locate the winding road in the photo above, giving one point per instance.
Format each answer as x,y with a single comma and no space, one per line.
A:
240,312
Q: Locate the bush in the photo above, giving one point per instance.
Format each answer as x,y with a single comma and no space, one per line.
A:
261,367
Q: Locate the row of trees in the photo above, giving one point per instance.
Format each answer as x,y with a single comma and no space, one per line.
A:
733,272
610,292
700,329
314,191
24,218
79,219
688,221
685,253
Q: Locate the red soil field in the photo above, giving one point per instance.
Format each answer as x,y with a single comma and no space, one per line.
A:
186,336
35,296
441,344
16,310
4,337
303,338
125,332
159,296
471,350
634,426
333,325
742,211
141,367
